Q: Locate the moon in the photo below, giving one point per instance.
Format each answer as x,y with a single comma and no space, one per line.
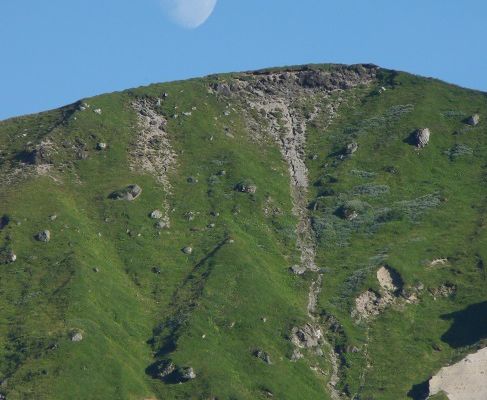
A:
189,13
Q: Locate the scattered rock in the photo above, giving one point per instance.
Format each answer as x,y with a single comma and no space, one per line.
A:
53,217
43,236
246,187
298,269
76,336
101,146
351,148
156,214
370,304
296,355
187,250
264,356
164,369
389,279
186,373
97,111
162,225
307,336
445,290
192,179
11,257
422,137
156,270
129,193
473,120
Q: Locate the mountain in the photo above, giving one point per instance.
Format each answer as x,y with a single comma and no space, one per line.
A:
310,232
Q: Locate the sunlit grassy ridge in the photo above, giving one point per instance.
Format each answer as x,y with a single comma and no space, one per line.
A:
137,298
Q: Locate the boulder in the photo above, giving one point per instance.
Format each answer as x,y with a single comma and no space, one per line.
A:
473,120
297,355
76,336
162,225
129,193
246,187
422,137
264,356
186,373
156,214
43,236
101,146
351,148
298,269
306,336
11,257
187,250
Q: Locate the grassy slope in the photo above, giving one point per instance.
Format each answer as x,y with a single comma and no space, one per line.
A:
53,289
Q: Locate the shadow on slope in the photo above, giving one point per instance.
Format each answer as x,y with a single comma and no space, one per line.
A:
469,326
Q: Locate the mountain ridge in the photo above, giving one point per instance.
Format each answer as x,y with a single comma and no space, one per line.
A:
282,250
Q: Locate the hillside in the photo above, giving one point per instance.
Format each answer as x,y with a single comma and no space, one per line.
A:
314,232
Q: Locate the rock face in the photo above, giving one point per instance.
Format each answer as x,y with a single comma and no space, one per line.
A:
129,193
43,236
422,137
465,380
473,120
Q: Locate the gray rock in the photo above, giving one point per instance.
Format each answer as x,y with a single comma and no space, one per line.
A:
297,355
422,137
298,269
264,356
76,337
101,146
246,187
11,257
129,193
306,336
162,225
187,250
43,236
351,148
473,120
186,373
156,214
164,369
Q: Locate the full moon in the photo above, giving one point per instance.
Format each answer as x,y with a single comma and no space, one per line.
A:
189,13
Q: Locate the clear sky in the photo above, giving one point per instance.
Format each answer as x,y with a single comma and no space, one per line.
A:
53,52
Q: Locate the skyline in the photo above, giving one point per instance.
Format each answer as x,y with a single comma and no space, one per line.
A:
56,54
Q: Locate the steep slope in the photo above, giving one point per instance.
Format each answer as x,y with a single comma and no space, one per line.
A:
290,239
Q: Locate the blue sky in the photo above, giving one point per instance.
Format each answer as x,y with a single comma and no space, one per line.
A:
53,52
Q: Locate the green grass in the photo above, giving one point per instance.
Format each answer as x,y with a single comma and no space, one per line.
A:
206,309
